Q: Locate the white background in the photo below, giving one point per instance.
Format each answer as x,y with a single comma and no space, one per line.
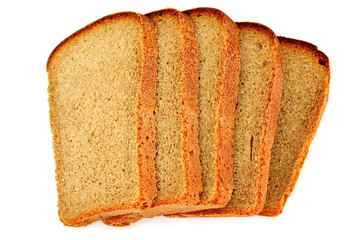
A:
325,202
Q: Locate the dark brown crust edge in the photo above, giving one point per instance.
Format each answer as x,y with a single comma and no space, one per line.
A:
227,95
268,131
189,120
146,167
324,61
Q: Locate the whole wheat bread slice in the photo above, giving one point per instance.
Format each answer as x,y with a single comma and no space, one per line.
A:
305,94
218,39
257,110
177,160
102,103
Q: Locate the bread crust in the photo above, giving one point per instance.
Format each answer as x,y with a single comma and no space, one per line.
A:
324,61
144,114
267,132
189,111
226,95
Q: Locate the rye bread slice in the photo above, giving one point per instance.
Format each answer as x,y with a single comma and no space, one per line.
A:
218,39
257,109
305,94
102,103
177,160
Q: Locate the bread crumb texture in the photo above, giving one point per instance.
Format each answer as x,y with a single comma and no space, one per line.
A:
209,39
169,164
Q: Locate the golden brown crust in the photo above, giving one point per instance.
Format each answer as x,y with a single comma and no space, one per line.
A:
324,61
145,103
226,95
267,132
189,112
123,220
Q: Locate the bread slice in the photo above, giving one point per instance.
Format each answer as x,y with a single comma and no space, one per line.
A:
177,160
102,103
218,39
305,94
257,108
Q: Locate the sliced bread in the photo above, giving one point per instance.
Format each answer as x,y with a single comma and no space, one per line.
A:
177,160
257,108
218,39
305,94
102,103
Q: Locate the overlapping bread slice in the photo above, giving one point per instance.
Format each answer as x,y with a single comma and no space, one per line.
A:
177,160
258,103
217,37
305,94
102,102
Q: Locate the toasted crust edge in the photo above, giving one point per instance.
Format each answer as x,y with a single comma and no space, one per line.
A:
323,60
227,95
146,167
268,132
189,111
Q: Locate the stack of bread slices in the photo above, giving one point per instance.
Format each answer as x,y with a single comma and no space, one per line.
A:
182,114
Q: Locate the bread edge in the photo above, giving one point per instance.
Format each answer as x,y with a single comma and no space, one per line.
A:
323,60
147,167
